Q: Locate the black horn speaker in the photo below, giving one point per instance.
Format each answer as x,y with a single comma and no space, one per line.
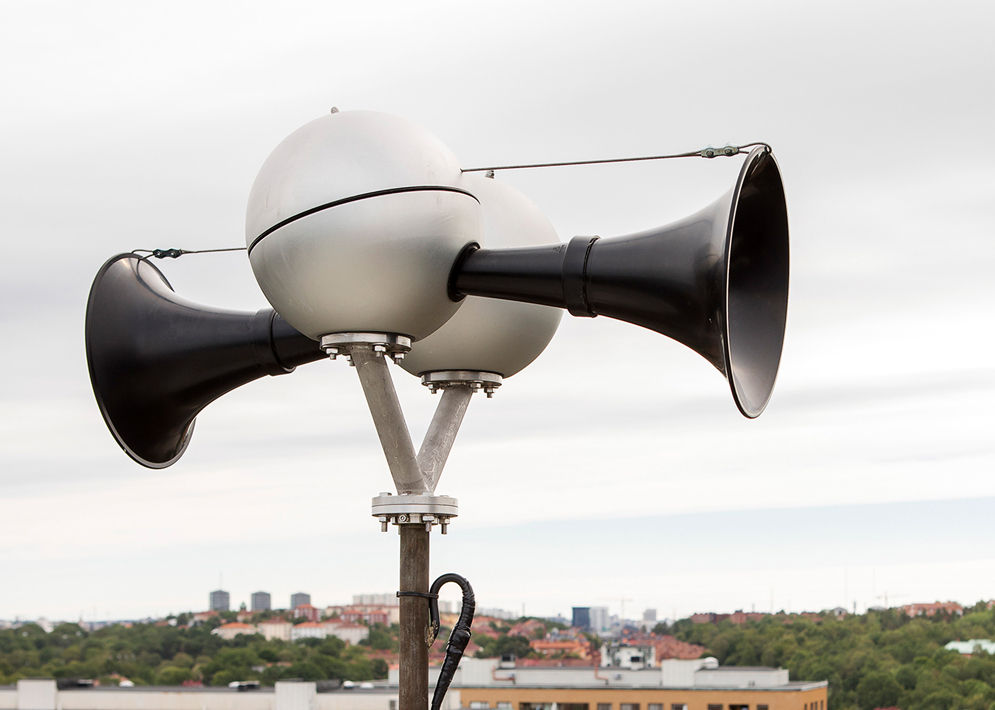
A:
716,281
156,360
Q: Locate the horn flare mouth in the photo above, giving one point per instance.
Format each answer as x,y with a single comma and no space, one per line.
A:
757,268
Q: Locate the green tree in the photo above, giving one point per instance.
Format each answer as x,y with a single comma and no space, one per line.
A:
380,668
172,675
878,690
381,638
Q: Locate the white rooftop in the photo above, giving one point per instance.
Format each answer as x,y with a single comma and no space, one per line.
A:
967,647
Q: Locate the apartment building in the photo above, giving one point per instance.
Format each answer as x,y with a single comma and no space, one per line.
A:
219,600
261,601
699,684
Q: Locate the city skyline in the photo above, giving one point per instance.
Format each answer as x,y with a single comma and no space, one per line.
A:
595,619
915,530
862,577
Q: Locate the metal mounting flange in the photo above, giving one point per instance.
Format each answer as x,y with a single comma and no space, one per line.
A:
391,344
414,509
486,381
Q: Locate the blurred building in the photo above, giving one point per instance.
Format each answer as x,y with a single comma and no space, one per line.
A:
646,651
699,684
951,608
569,647
299,599
649,620
600,621
307,611
581,617
229,631
201,616
219,600
371,613
968,648
375,600
275,629
502,614
348,632
308,630
631,656
44,694
261,601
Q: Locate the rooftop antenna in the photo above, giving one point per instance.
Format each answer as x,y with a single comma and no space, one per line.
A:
373,245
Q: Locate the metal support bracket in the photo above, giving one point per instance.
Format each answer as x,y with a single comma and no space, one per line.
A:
415,476
427,510
486,381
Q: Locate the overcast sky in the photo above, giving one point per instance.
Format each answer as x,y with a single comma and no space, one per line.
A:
616,466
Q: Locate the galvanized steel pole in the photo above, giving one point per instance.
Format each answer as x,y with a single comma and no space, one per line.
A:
415,509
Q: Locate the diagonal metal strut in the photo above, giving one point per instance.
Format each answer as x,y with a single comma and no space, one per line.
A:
389,420
411,473
442,432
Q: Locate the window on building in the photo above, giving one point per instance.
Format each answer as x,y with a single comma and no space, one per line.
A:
654,706
761,707
502,705
574,706
392,705
604,706
678,706
535,706
479,705
629,706
822,705
719,707
738,707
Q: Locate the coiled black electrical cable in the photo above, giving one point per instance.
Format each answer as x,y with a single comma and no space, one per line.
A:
458,639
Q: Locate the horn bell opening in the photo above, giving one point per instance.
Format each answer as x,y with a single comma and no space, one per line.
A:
156,360
126,290
757,268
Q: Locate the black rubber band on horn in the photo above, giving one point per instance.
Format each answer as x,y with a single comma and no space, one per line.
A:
575,276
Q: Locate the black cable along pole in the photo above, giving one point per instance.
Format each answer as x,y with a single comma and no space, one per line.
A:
458,638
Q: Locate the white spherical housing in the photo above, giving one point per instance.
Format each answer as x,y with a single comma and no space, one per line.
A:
353,225
491,335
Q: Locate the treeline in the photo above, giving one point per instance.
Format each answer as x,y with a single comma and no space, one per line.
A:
165,655
877,660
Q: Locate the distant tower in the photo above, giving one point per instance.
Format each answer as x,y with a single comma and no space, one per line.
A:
649,615
261,601
219,600
299,599
581,617
599,619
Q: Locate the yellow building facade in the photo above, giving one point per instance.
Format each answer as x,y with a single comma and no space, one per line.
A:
794,696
